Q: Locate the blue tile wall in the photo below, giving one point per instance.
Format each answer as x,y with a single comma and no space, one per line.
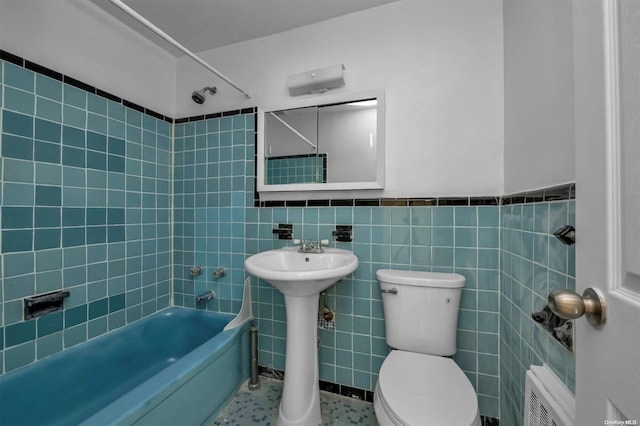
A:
213,185
85,187
216,225
534,263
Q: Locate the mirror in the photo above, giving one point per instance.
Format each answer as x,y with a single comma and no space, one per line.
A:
334,146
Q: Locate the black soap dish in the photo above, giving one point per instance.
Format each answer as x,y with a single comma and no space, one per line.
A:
343,233
284,231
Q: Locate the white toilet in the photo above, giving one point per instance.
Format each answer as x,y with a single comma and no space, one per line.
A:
418,384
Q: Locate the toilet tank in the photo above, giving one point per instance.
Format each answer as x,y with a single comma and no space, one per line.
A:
421,310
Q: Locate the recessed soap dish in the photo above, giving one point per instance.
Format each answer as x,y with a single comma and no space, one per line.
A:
42,304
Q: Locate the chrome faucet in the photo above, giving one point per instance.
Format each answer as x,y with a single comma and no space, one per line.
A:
205,297
309,246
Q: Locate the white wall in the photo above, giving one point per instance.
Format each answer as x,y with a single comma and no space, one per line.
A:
439,62
539,135
80,40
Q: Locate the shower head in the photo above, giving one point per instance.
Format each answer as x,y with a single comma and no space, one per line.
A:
198,95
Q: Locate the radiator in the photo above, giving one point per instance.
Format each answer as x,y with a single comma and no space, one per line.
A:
548,402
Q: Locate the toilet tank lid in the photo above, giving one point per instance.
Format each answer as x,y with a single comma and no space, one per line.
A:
421,278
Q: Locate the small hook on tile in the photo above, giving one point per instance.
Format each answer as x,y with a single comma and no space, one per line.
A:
566,234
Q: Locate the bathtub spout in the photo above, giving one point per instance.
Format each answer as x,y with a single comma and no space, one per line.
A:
205,297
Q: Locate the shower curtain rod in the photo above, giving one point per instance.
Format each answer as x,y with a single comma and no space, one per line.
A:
297,133
166,37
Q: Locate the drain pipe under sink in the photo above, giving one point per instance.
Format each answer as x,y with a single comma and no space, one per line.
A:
254,382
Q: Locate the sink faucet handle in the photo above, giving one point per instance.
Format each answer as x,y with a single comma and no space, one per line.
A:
321,243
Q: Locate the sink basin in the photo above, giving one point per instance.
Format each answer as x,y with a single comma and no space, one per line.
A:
302,274
301,277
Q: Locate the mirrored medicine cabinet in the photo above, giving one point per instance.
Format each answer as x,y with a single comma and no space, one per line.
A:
337,145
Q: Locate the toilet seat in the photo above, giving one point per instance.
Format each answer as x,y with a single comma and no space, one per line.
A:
419,389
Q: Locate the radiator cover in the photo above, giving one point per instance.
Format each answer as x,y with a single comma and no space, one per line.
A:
548,402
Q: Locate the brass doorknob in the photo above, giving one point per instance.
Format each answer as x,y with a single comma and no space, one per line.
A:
570,305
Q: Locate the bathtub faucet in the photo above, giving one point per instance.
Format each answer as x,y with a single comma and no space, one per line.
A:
205,297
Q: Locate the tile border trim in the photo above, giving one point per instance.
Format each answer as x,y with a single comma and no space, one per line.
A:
194,118
383,202
48,72
344,390
554,193
351,392
566,191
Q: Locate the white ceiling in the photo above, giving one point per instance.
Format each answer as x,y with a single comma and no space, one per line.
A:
206,24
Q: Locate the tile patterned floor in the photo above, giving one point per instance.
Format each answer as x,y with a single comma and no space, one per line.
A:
260,407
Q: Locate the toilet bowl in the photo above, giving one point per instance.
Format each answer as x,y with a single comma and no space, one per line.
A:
417,389
418,384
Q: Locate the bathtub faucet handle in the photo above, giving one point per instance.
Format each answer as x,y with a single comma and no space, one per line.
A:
196,270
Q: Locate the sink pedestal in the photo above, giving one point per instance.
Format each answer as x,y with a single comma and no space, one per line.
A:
300,404
300,277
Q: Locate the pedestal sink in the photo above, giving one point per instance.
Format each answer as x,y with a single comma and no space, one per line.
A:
301,277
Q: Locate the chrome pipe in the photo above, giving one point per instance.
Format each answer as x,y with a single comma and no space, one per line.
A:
254,381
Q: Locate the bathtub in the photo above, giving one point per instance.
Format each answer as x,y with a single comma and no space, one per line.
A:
175,367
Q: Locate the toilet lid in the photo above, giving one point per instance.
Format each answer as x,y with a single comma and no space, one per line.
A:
426,389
